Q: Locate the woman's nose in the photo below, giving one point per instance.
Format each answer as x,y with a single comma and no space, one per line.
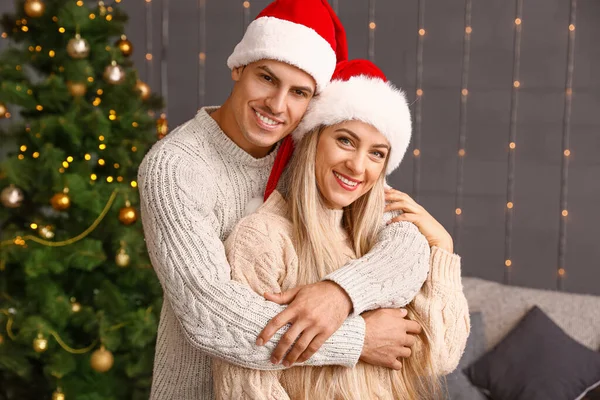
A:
356,163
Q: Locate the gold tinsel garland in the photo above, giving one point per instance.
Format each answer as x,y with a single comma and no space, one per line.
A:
20,241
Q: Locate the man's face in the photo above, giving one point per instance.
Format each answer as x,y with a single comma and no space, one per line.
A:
269,99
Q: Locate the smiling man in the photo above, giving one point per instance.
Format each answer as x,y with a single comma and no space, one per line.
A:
195,185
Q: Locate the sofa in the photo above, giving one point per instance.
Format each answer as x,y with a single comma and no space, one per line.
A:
504,347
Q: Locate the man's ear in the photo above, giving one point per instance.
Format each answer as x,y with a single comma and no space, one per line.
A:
236,73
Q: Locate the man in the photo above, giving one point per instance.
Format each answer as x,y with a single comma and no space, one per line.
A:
194,187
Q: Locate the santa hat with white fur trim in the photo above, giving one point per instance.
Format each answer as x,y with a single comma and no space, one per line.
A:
359,90
303,33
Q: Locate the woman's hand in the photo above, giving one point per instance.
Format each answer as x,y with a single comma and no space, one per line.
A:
435,233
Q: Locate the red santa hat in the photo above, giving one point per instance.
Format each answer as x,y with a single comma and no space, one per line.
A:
303,33
359,91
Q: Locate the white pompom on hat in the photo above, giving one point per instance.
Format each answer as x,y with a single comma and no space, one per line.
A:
303,33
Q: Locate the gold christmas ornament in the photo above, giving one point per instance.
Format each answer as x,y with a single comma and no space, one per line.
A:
162,127
40,343
58,395
77,89
78,47
122,259
143,89
125,46
3,110
114,74
12,197
127,214
34,8
102,360
46,232
60,201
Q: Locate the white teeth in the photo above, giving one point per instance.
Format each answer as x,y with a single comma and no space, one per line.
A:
346,181
266,120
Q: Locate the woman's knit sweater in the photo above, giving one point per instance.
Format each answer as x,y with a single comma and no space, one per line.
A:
194,185
261,254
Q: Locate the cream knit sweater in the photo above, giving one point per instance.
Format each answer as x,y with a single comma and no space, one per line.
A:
194,186
261,254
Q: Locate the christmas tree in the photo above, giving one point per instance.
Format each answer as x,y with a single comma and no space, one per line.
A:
79,301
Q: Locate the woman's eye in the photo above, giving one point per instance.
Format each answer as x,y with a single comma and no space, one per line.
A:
379,154
344,141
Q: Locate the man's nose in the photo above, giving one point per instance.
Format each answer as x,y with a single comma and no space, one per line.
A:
276,102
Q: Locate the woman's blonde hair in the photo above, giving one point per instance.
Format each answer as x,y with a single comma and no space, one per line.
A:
318,256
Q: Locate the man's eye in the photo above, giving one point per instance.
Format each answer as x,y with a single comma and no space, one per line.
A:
267,78
300,93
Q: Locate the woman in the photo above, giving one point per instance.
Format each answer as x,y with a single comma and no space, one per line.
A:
327,211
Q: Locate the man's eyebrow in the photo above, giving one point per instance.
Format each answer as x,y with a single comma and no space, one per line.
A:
268,70
355,136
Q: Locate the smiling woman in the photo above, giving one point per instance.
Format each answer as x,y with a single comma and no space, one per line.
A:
327,211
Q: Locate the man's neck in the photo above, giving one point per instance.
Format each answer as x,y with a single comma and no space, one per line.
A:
226,120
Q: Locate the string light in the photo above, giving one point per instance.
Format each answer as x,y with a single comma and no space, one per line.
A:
116,165
458,211
416,152
23,148
461,152
134,149
99,92
372,25
93,177
80,3
246,4
109,179
512,145
39,107
101,138
518,21
133,184
61,29
565,213
65,164
24,29
51,53
92,16
149,57
508,263
101,162
516,84
21,157
69,159
135,124
34,226
571,27
102,146
90,79
421,32
464,92
87,157
419,92
36,154
119,179
468,30
509,205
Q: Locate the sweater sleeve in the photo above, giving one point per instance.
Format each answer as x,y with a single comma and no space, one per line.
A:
443,306
257,256
391,274
218,316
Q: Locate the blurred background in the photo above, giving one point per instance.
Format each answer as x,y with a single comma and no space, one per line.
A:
505,97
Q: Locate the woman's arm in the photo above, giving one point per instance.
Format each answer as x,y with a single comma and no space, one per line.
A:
262,259
443,306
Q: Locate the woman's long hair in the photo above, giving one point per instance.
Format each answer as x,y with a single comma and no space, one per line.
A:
319,255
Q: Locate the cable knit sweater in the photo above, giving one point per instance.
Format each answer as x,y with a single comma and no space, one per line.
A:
262,255
194,185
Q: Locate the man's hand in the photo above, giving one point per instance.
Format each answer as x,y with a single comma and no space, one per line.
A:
413,212
315,311
388,336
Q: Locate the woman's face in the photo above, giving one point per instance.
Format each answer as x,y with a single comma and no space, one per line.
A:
350,158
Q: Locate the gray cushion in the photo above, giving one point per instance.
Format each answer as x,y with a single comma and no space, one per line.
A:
537,360
459,386
503,307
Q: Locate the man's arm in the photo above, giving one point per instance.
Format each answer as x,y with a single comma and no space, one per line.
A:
391,274
218,316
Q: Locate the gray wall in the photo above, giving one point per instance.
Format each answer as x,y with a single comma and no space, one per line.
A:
487,178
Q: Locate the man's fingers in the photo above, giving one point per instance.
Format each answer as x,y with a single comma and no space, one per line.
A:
283,298
274,325
313,347
300,346
410,341
396,365
286,342
404,352
413,327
